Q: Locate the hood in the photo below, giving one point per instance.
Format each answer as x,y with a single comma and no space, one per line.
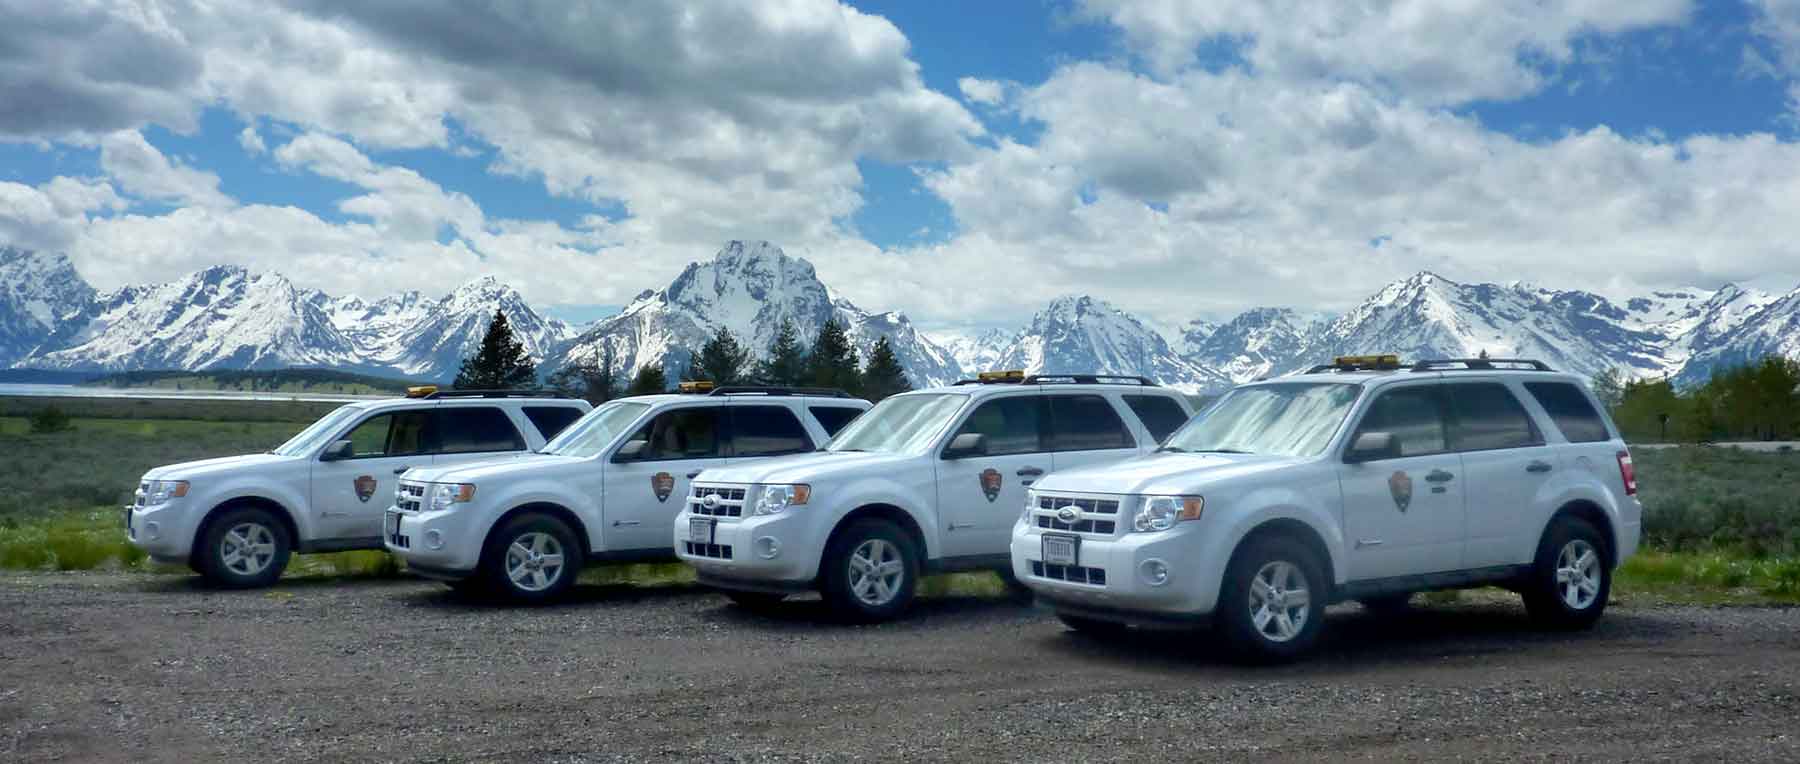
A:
490,469
205,467
817,466
1163,473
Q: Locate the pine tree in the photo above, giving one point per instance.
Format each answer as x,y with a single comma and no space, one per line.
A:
596,383
724,361
833,360
650,380
500,363
787,361
883,376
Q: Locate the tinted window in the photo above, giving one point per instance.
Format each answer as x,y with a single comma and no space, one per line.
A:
833,418
1570,409
765,431
1414,417
550,420
690,433
396,434
474,429
1161,415
1086,423
1010,424
1486,415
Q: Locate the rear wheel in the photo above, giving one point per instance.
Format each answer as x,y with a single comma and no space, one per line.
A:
533,558
1572,578
871,571
244,548
1272,601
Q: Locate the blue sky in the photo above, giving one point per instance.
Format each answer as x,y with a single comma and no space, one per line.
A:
1184,159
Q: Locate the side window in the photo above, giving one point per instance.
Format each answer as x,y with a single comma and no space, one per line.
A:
767,431
833,418
1086,423
1485,415
396,434
1570,409
1161,415
686,433
476,429
1010,424
550,420
1414,416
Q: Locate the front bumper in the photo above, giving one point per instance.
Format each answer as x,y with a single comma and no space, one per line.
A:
439,544
165,531
1109,581
740,553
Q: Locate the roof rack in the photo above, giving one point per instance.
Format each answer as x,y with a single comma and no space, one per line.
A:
440,394
1383,362
1481,364
1066,379
817,392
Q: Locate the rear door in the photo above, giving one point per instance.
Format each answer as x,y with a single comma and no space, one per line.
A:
349,495
1084,429
979,497
1505,465
1160,415
1403,514
644,494
761,430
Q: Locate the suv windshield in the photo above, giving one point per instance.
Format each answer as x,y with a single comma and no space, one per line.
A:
316,435
1295,419
594,432
899,424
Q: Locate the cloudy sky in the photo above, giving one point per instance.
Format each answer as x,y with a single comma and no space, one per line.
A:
1180,158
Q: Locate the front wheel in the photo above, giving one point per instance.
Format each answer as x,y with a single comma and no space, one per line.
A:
1272,602
244,548
533,558
1572,578
871,571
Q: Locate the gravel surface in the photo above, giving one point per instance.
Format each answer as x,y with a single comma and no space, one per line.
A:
135,667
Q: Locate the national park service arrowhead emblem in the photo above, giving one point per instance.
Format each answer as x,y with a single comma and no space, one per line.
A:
1400,485
365,487
663,484
990,483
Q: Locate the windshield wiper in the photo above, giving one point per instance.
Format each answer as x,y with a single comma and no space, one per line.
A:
1171,450
1220,451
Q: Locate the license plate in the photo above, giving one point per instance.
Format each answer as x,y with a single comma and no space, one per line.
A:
1061,550
392,526
700,530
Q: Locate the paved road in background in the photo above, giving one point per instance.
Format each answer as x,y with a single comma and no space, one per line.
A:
1758,445
142,668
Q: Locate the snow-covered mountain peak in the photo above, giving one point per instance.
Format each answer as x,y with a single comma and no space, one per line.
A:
1082,334
41,296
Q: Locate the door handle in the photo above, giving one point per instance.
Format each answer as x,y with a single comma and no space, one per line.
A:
1538,466
1439,476
400,470
1029,472
695,473
617,523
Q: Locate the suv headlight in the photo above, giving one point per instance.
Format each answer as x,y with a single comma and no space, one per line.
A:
446,495
778,498
1031,502
161,491
1160,513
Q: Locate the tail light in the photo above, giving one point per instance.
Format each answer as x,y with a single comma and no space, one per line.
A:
1627,473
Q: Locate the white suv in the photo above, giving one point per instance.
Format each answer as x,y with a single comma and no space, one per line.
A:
1363,480
236,520
928,481
606,490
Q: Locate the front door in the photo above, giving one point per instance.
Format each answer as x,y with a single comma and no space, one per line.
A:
645,492
980,497
1403,515
349,495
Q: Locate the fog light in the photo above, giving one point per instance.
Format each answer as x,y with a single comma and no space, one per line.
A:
153,530
1154,572
768,548
434,540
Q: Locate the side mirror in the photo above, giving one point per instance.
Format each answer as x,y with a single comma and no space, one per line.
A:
631,451
341,449
1371,446
966,445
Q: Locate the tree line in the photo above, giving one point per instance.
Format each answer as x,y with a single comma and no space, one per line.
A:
1754,401
831,361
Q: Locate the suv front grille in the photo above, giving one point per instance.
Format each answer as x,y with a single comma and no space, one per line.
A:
1101,527
1074,574
730,501
715,551
1094,516
409,497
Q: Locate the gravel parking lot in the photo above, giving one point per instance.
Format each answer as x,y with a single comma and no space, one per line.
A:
138,667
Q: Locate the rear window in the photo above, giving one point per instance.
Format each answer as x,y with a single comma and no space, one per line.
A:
550,420
475,429
766,431
1487,416
1570,409
1086,423
1160,414
833,418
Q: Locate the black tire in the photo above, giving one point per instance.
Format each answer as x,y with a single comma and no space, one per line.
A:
1545,596
757,601
1016,590
227,532
1092,627
535,532
1237,612
838,589
1388,604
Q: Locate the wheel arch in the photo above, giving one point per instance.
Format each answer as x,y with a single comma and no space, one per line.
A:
881,511
282,514
1288,527
1592,513
558,511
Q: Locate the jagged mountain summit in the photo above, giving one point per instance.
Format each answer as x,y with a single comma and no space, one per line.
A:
41,296
1075,334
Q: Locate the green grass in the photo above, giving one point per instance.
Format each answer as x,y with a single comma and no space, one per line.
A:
1709,578
1720,500
222,410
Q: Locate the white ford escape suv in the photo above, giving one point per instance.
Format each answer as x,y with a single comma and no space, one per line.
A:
236,520
605,490
1362,479
926,481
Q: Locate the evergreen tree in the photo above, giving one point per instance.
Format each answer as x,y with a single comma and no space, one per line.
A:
1609,387
787,361
724,361
883,376
650,380
597,383
833,361
500,363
